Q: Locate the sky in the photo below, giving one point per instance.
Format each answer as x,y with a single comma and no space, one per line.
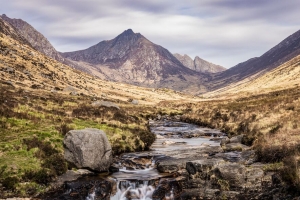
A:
224,32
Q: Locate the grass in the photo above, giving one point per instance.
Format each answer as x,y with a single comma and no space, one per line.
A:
270,123
31,147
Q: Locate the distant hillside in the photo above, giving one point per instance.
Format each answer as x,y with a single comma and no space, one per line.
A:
255,67
283,77
199,64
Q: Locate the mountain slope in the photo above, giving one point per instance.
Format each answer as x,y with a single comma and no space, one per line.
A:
132,58
255,67
7,29
199,64
285,76
39,41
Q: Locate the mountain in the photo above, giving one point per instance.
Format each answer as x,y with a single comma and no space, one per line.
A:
39,41
24,68
8,30
199,64
132,58
286,50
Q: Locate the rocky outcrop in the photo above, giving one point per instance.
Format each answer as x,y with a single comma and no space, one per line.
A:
198,64
8,29
88,148
185,60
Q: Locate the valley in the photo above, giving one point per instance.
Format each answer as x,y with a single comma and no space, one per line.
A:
128,85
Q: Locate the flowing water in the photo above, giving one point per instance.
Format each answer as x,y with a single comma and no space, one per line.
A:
139,181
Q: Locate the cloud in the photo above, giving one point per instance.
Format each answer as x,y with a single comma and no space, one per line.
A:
225,32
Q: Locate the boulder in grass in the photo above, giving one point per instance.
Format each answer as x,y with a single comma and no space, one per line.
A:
107,104
88,149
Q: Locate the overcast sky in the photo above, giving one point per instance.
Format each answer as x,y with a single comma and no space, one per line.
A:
224,32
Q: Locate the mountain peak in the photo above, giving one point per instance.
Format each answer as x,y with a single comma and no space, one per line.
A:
128,32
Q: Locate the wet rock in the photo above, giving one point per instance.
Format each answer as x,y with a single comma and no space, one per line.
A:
233,173
100,189
200,193
105,104
170,166
165,187
88,148
70,175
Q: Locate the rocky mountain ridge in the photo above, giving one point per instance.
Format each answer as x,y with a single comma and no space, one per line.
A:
7,29
38,41
198,64
132,58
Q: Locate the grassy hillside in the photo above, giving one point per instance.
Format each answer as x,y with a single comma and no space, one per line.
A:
287,75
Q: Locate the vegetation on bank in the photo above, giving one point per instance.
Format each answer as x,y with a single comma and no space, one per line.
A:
32,127
270,124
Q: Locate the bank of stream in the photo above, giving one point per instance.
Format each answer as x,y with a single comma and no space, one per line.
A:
185,162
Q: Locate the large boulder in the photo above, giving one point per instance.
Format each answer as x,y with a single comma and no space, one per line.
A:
88,148
107,104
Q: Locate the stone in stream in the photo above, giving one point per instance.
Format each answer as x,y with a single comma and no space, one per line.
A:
169,188
88,148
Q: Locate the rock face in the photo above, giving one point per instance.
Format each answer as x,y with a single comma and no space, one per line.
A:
8,29
88,148
133,59
198,64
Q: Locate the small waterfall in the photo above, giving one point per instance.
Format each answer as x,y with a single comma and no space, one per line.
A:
91,196
134,190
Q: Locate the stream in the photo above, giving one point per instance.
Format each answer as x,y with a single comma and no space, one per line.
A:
138,177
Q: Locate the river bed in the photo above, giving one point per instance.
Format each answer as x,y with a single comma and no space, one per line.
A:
138,176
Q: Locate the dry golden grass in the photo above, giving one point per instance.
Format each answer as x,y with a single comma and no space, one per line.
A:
287,75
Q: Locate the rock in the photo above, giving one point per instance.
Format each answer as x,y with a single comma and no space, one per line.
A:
170,166
232,173
8,83
10,70
158,117
105,104
236,139
235,147
135,102
73,93
165,186
224,141
168,142
70,175
159,136
69,89
88,148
